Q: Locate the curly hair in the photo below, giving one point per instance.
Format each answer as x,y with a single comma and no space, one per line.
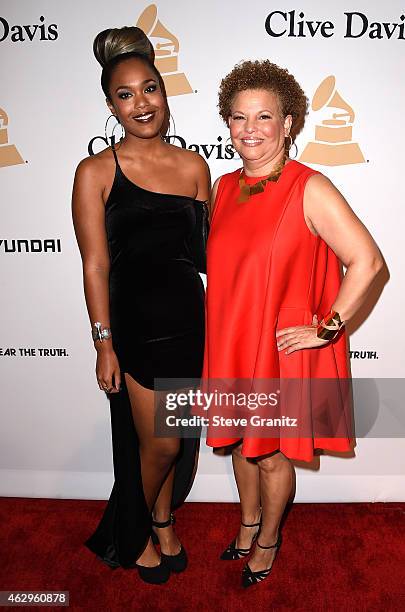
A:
270,77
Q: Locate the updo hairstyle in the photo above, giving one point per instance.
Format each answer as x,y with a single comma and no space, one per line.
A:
115,45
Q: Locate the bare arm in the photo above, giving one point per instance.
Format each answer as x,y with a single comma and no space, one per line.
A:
89,223
213,196
333,219
203,181
328,214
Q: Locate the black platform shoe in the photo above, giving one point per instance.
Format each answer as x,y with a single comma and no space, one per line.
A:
159,574
250,578
232,553
176,563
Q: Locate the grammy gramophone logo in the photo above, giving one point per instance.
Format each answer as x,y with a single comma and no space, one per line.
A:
9,156
333,144
166,47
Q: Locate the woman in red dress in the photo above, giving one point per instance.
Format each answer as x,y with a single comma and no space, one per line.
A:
276,301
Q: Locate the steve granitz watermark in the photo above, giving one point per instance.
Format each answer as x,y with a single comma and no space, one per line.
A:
206,401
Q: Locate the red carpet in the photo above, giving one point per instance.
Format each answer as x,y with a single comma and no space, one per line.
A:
334,557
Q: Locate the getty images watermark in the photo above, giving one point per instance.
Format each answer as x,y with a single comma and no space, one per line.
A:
264,408
267,408
206,401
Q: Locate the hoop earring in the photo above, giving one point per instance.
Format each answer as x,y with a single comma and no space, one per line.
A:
229,138
165,130
111,139
171,118
291,144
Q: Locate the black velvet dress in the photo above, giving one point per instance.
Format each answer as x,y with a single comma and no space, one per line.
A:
157,325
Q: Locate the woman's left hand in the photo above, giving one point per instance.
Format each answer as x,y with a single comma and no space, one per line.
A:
301,337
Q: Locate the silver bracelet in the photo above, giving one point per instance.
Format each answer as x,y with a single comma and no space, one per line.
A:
100,333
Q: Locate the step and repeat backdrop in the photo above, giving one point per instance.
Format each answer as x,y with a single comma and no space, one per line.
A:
348,57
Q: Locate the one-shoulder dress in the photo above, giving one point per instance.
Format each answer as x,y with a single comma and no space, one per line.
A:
157,324
267,271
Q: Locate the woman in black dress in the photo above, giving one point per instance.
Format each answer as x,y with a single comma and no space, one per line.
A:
136,208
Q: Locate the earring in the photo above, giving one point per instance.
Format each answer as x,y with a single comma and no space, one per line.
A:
165,130
111,138
229,138
290,145
171,119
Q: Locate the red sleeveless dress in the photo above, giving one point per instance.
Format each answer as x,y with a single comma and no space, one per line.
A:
267,271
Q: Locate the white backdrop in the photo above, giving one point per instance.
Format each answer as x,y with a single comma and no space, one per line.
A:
55,434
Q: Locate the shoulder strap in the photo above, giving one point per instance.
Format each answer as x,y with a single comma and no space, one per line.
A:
115,156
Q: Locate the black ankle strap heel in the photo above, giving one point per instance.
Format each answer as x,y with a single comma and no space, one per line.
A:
232,553
276,545
176,563
251,525
161,524
250,578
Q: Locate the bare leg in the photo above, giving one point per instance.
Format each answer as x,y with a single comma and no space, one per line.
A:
169,542
157,454
247,480
276,473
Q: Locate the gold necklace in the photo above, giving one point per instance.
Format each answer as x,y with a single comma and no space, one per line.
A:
248,190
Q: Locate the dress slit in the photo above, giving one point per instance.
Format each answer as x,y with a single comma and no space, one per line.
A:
126,524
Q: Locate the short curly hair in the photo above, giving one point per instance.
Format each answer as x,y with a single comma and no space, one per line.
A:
265,75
